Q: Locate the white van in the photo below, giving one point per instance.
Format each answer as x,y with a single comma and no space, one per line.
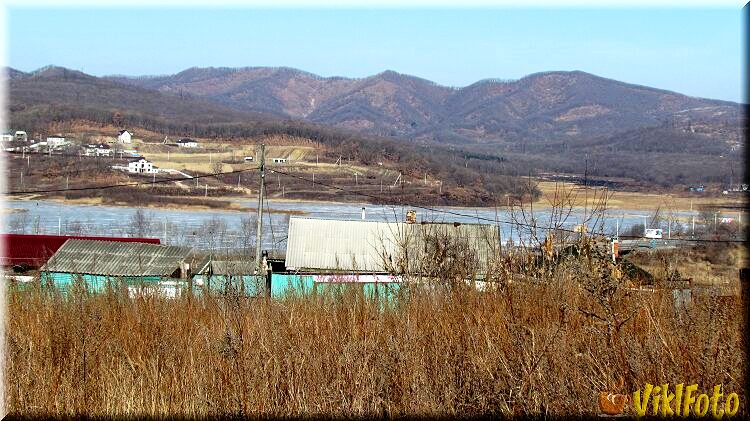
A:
653,233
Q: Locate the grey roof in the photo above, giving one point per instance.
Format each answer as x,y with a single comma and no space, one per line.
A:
371,246
112,258
227,267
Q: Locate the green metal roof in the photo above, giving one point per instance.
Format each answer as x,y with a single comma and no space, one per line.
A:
112,258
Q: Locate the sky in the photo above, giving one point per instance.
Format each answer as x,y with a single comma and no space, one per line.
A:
695,51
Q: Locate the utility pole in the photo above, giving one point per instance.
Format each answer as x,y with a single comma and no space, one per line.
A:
259,226
617,228
693,230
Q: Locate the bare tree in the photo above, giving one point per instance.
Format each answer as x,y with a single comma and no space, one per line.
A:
18,223
140,224
212,232
247,232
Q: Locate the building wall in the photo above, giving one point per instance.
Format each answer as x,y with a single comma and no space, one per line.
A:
95,283
285,285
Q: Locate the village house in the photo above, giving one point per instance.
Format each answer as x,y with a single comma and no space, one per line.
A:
279,160
134,265
187,143
31,251
141,166
371,247
55,141
6,137
100,149
21,136
125,136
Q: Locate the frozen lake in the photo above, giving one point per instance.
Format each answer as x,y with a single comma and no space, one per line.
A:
226,230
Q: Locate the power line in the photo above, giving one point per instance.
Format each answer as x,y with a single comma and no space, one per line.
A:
380,200
137,183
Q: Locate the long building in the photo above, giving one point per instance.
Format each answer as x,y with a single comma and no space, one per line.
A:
98,263
335,246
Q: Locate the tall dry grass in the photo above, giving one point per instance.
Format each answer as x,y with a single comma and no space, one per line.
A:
546,344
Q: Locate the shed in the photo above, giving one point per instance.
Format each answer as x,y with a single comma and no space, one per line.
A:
325,246
216,275
32,251
99,262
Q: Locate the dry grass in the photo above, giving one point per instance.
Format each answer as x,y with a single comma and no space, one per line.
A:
545,341
643,201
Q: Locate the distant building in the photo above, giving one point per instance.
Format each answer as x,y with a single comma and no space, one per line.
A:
187,143
249,159
100,149
21,136
6,137
279,160
653,233
55,141
125,137
141,166
698,189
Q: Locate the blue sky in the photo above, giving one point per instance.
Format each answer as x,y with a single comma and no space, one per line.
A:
693,51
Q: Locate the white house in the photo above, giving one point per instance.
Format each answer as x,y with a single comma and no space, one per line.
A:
141,166
100,149
187,143
55,141
279,160
125,136
21,136
6,137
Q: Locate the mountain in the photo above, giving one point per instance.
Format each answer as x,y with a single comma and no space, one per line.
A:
540,106
569,122
71,90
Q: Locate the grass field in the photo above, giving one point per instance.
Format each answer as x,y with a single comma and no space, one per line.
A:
638,200
540,343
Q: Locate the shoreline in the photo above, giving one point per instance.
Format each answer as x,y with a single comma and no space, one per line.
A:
618,200
233,207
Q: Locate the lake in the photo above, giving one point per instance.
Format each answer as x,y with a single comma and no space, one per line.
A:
228,230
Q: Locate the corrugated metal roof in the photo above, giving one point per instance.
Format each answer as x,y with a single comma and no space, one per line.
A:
371,246
116,259
227,267
34,250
